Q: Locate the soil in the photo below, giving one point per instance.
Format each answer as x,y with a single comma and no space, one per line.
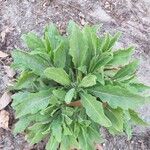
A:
131,17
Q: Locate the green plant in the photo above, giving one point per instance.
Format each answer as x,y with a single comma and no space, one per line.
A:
79,67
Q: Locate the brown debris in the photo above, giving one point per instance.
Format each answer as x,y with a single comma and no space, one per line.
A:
5,100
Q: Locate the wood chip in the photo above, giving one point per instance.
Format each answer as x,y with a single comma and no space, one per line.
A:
10,71
4,119
5,100
3,55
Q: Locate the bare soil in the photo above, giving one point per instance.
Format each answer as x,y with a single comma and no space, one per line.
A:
131,17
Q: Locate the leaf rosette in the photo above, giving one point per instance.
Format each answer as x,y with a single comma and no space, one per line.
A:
70,85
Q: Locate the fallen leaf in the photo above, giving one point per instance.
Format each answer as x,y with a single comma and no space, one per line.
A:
3,55
4,119
10,71
5,100
5,31
99,147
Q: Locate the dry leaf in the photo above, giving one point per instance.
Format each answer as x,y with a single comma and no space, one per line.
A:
5,100
99,147
3,55
10,72
4,119
5,31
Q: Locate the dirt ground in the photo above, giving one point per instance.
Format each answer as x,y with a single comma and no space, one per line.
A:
131,17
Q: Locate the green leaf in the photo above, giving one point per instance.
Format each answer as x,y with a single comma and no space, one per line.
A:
117,96
31,102
78,46
90,36
53,36
135,118
52,144
127,125
127,70
57,74
116,118
25,80
66,130
23,60
114,39
69,95
60,56
100,77
68,143
35,133
84,141
57,129
121,57
22,124
99,61
88,81
33,41
94,109
60,94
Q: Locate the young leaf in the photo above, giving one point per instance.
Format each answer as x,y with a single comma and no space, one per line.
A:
94,109
88,81
103,60
78,46
57,74
100,77
69,95
60,56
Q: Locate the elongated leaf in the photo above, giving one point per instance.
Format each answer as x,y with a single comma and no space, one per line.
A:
135,118
31,102
23,60
25,80
117,96
33,41
114,39
69,95
57,74
57,129
127,70
88,81
103,60
78,46
90,36
116,118
60,56
121,57
53,36
94,109
22,124
100,77
83,139
52,144
35,133
68,143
